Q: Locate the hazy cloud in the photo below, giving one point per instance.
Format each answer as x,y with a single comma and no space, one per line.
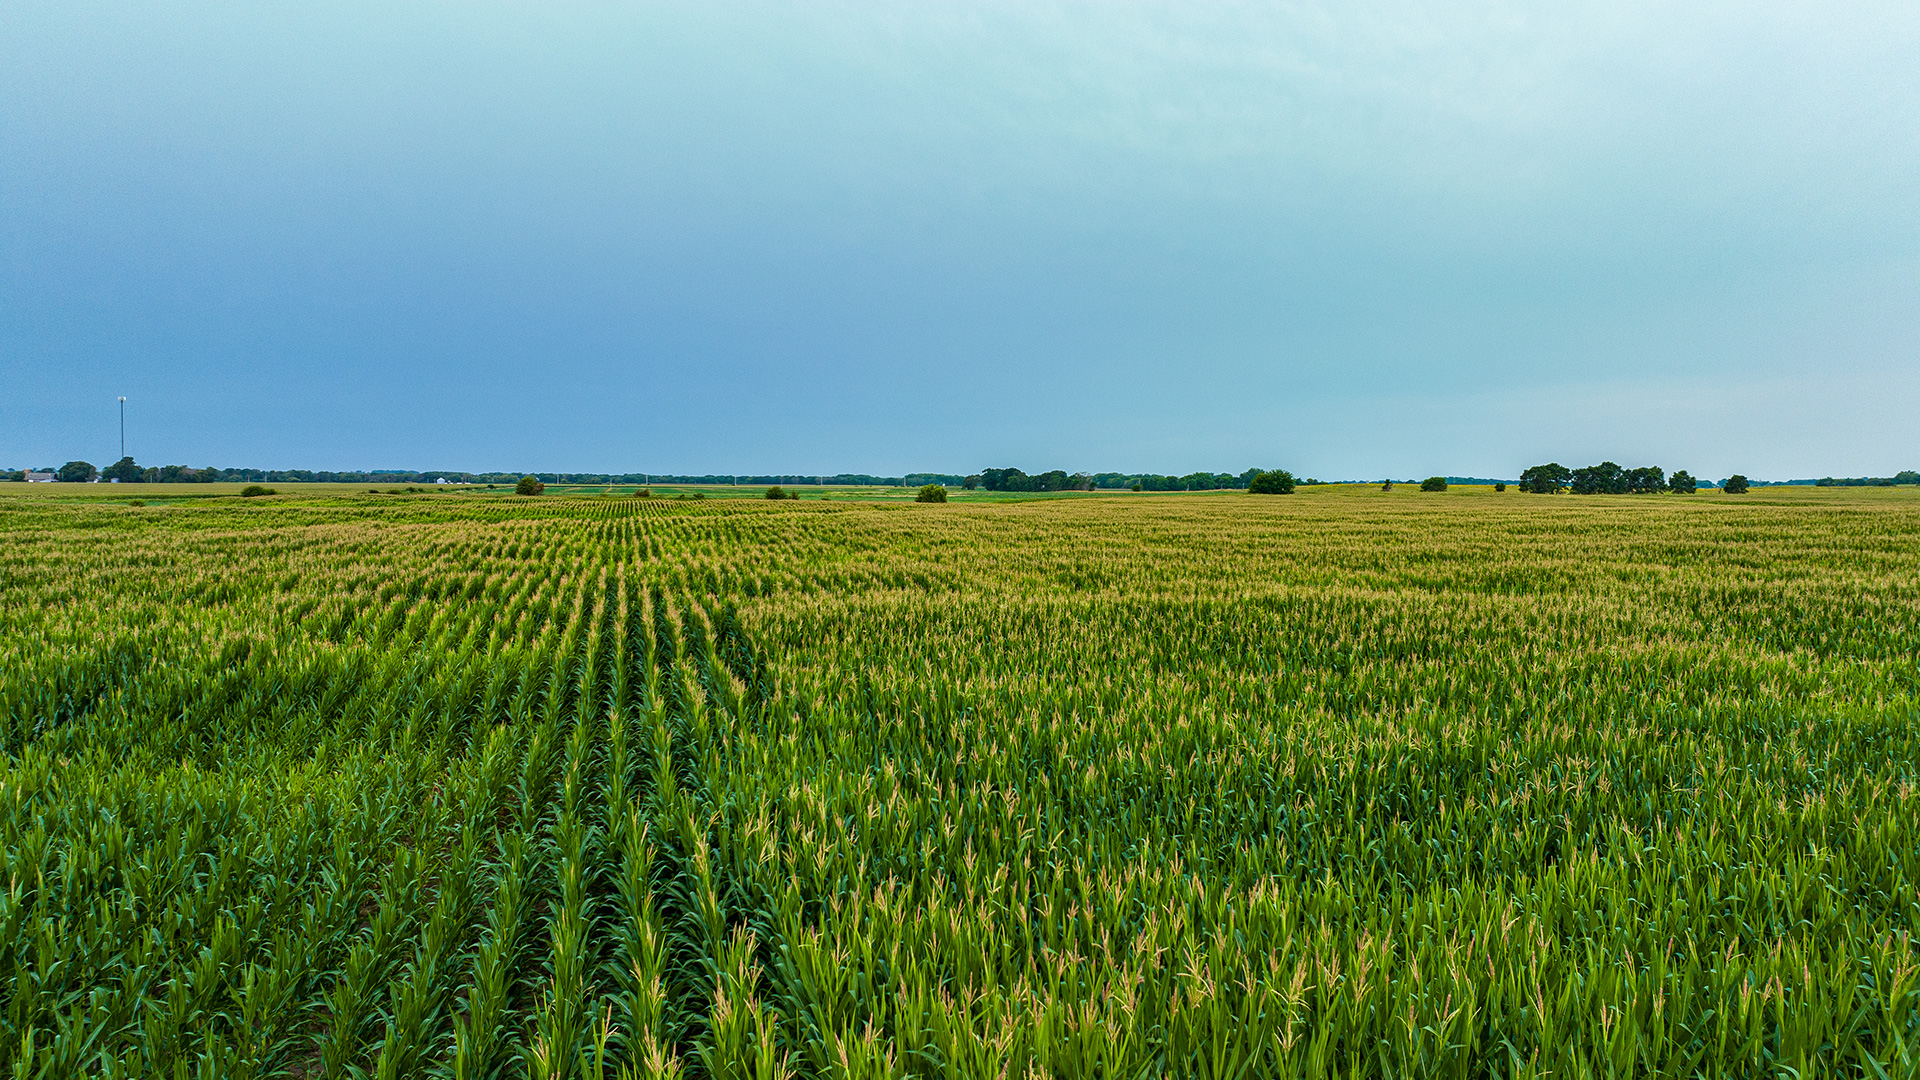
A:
1354,239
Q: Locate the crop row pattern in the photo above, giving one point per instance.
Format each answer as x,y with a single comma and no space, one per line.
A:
1188,787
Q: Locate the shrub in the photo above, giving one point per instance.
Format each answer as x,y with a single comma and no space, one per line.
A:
252,490
1735,485
931,493
1434,483
1135,486
529,485
1387,486
1271,482
776,492
1499,487
137,502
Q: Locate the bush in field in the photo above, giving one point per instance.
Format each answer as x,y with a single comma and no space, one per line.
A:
252,490
932,493
529,485
1434,483
1499,487
1735,485
776,492
1271,482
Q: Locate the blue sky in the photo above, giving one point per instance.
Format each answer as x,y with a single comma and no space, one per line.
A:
1352,239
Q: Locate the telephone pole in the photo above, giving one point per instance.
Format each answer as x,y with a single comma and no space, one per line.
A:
123,427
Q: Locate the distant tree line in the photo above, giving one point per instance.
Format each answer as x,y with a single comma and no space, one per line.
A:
73,472
1605,478
128,472
1907,477
1059,480
1551,478
1015,480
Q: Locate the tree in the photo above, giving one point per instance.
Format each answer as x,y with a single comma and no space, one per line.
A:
971,482
1648,481
1548,479
1005,480
1682,483
1605,478
529,485
1015,480
124,471
1206,481
776,492
1735,485
1499,487
932,493
1271,482
1434,483
77,472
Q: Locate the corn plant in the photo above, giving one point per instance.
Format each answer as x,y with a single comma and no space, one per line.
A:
1195,786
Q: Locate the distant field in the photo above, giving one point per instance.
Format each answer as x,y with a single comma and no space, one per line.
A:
1089,785
175,493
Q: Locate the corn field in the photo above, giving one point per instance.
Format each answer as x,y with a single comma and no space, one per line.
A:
1193,786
